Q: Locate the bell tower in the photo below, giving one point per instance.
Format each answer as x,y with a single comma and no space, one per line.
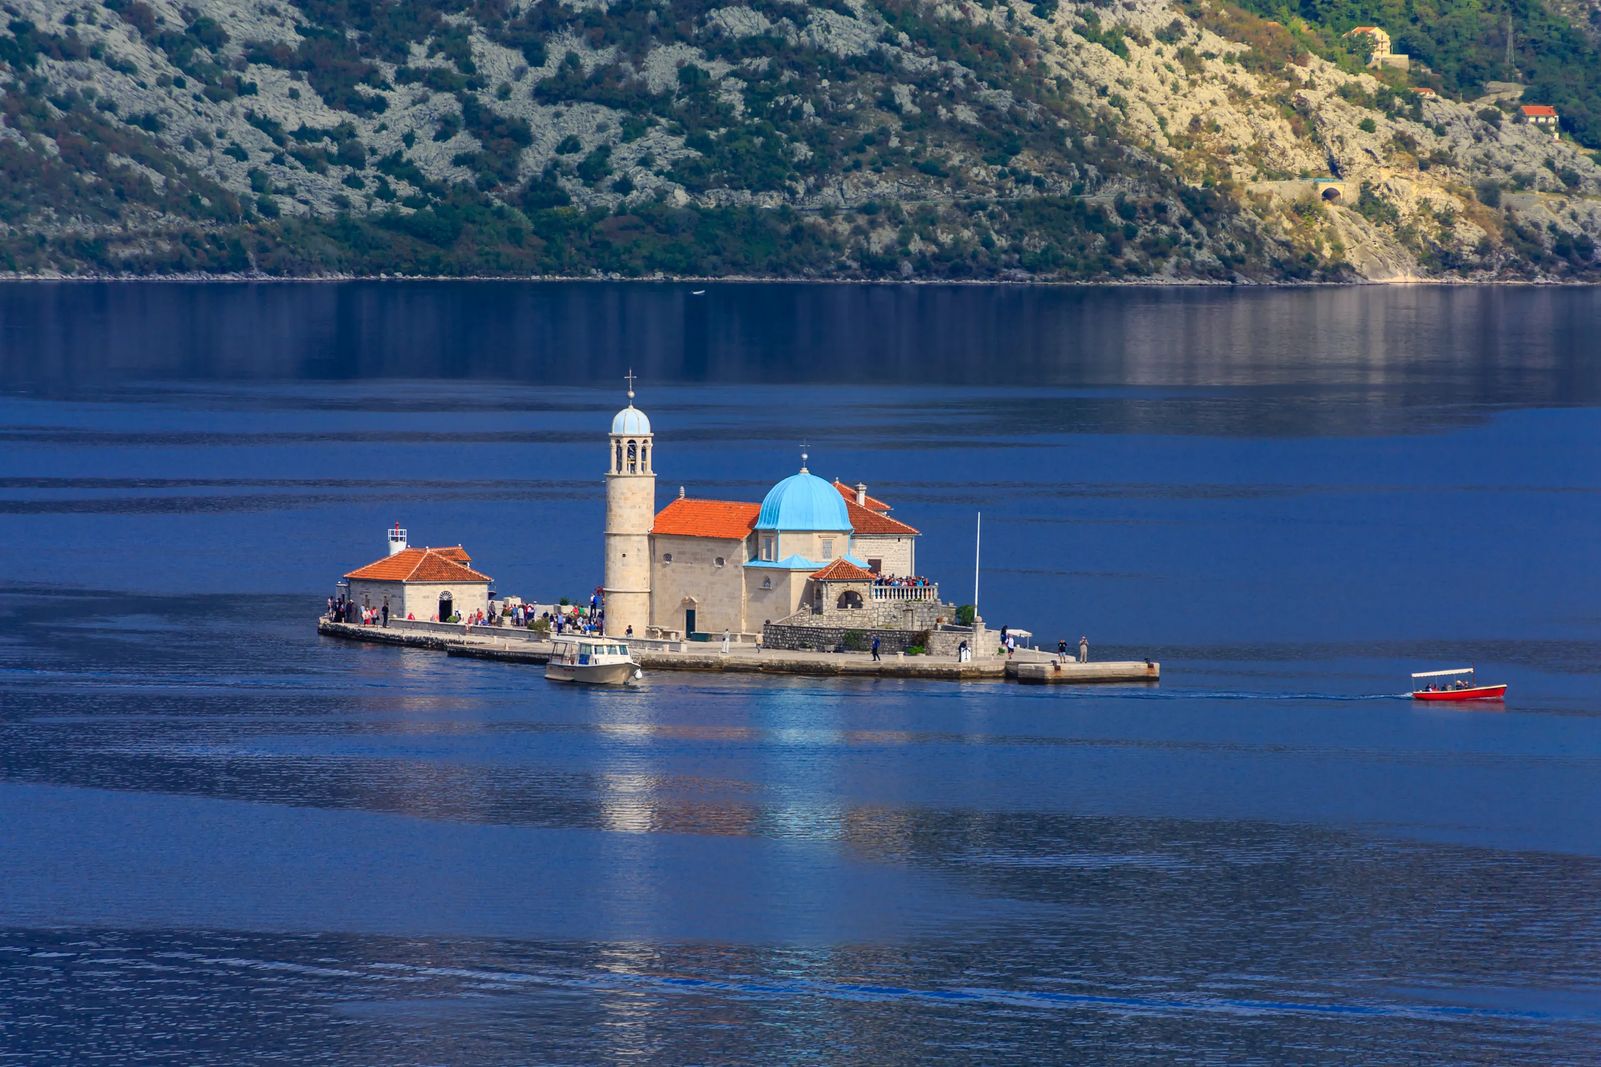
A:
630,511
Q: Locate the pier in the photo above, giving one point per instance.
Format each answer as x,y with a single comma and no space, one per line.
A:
511,645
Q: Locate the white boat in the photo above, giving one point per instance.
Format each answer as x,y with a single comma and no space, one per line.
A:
592,660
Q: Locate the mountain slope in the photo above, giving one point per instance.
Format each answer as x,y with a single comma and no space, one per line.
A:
884,138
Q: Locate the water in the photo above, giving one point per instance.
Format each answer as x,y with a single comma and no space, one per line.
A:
226,840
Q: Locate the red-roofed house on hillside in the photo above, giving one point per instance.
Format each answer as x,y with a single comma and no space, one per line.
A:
1542,115
425,583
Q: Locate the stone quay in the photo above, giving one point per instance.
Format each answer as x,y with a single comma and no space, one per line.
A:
513,645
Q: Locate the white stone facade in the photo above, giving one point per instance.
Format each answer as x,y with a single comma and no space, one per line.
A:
892,555
697,584
420,600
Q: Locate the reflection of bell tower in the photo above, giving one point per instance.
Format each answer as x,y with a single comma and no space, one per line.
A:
630,510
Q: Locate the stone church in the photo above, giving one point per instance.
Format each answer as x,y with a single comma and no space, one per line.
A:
812,553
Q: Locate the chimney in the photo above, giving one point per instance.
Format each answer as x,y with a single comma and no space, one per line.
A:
861,494
397,539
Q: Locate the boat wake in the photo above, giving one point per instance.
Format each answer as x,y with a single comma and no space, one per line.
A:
1167,693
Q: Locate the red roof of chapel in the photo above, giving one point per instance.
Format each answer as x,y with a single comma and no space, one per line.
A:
873,503
1540,111
422,565
725,520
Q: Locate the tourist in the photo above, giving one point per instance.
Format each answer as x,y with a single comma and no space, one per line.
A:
1083,649
1061,648
629,632
725,640
1011,644
876,657
386,613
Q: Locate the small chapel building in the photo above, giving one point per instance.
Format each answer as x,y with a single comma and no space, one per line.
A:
810,549
423,583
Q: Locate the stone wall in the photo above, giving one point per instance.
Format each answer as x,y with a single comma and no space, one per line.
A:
789,638
874,614
694,579
764,603
947,640
895,553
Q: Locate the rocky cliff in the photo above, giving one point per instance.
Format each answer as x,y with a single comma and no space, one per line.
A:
1136,139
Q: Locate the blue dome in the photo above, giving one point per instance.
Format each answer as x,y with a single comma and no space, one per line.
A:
803,502
630,420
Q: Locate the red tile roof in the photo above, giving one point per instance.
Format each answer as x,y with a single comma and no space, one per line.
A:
421,565
1539,111
864,521
850,494
726,520
843,570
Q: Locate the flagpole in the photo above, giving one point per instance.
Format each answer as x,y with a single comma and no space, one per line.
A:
978,534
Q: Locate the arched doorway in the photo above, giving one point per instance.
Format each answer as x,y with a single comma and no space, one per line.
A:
446,607
1331,193
850,600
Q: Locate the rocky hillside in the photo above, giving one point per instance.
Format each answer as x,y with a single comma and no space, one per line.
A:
1130,139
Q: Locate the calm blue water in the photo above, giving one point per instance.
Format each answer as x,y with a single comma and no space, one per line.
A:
225,840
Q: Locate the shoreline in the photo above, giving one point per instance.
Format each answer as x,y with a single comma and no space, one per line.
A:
246,278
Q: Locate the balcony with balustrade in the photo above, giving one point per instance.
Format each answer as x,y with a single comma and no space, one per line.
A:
906,592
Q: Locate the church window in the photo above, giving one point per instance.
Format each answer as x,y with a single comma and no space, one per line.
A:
769,549
720,561
644,458
667,557
828,548
618,467
633,457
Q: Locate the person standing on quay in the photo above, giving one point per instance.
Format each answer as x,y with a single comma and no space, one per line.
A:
386,614
1083,649
876,658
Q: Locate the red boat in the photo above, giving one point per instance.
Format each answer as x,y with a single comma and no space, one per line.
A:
1464,688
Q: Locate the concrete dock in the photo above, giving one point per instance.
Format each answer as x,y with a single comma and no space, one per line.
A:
522,646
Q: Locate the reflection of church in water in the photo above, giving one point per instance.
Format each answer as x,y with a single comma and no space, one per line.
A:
812,553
